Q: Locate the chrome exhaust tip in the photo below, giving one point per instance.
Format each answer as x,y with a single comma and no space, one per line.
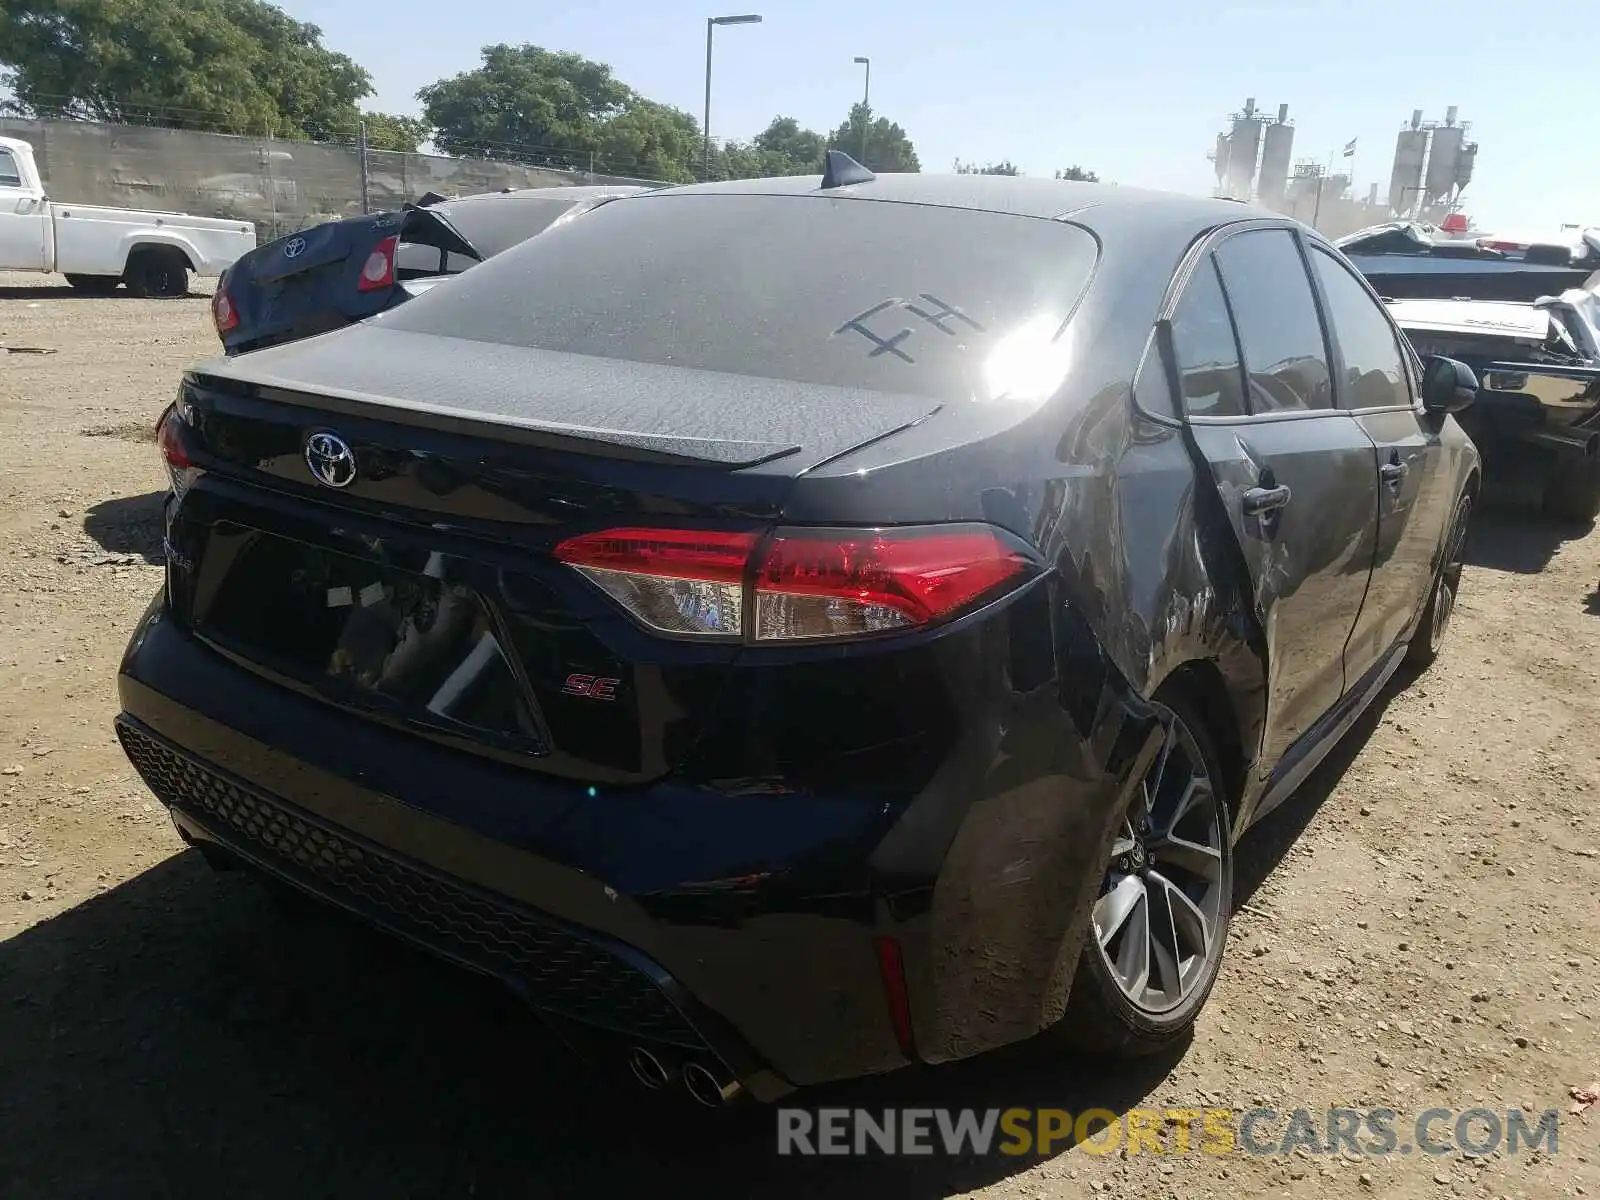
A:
649,1070
709,1087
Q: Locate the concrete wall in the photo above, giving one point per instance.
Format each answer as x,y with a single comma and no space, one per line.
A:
281,186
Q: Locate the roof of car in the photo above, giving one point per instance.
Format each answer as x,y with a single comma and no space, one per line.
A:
574,194
1015,194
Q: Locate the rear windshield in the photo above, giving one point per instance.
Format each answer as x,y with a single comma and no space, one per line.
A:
496,224
862,294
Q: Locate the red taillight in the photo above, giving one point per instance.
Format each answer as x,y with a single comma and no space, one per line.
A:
892,974
679,581
378,271
223,313
804,583
832,583
170,439
666,553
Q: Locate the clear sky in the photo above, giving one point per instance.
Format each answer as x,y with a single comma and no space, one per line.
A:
1135,92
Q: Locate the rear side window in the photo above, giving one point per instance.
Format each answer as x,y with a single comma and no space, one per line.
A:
937,302
1277,320
417,259
1374,369
10,176
1208,356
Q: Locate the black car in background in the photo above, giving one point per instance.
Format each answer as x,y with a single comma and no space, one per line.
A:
1405,260
793,629
342,272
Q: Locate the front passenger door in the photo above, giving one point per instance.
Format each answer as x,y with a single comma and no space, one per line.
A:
1414,500
1297,477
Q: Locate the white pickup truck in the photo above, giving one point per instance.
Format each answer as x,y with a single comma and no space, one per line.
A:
98,248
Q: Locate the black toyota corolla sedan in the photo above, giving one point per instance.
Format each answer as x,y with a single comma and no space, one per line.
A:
797,629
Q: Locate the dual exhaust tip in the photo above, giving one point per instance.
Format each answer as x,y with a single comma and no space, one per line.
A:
707,1083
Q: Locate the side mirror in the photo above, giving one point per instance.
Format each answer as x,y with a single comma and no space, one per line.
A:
1448,386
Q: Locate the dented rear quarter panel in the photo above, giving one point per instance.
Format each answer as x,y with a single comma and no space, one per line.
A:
1108,493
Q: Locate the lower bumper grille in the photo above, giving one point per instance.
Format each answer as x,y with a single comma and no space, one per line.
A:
559,968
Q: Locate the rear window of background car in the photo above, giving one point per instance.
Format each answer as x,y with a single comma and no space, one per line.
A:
495,223
850,293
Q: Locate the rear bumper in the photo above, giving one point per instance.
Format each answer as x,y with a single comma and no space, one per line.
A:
982,879
561,969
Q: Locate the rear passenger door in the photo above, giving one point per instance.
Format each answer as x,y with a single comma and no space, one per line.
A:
1376,384
1297,476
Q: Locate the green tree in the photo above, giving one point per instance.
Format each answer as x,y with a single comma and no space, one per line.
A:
388,132
650,141
235,66
1078,174
746,160
888,148
1001,168
538,104
315,88
792,150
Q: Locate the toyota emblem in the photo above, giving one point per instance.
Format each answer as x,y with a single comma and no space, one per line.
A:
294,247
331,461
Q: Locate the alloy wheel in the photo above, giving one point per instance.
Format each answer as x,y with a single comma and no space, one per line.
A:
1159,919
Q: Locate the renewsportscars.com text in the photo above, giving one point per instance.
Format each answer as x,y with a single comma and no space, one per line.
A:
970,1132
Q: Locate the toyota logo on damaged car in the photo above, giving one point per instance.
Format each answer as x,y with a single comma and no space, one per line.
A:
331,461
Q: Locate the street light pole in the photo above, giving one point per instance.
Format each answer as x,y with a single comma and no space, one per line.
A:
711,25
705,126
866,106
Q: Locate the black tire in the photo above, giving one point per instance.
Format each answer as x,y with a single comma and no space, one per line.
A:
1573,491
157,273
1101,1018
94,285
1427,641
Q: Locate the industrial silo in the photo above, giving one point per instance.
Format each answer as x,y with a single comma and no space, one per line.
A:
1276,153
1221,158
1246,145
1443,159
1405,181
1464,164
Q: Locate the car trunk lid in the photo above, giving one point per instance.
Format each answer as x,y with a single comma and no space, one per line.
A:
588,405
306,283
424,592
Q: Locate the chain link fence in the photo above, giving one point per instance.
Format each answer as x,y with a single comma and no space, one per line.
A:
281,186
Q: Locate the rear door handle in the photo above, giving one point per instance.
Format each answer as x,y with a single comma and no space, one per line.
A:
1393,472
1258,500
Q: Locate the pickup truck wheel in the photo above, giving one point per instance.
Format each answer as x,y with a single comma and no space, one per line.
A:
94,285
1573,492
158,273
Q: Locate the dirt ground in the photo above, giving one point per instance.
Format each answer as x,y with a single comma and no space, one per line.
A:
1420,929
